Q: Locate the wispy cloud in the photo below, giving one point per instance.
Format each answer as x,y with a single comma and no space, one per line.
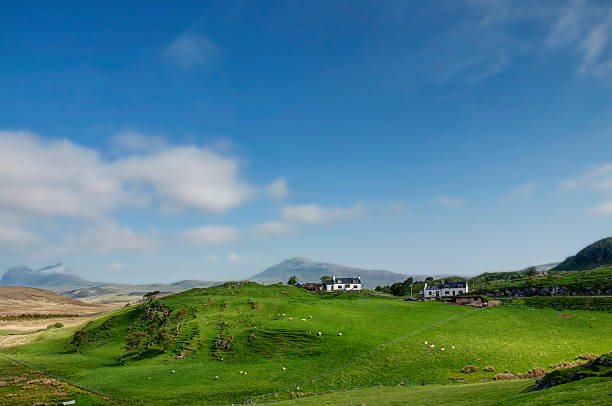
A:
316,214
598,179
522,191
191,50
273,228
208,235
585,28
277,189
448,201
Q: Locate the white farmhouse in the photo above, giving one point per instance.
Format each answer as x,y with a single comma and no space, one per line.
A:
448,289
349,284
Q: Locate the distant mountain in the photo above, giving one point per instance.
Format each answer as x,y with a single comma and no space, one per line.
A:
307,270
594,256
57,275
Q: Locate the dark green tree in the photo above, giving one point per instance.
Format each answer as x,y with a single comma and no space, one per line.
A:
78,338
137,343
292,281
163,338
325,278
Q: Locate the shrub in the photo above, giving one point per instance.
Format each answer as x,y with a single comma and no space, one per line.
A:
468,369
489,369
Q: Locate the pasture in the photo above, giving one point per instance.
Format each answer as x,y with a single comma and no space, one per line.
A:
244,341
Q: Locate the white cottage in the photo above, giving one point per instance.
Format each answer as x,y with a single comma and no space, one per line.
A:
448,289
348,284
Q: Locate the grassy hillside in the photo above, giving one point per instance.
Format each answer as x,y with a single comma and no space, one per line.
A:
247,327
587,392
579,280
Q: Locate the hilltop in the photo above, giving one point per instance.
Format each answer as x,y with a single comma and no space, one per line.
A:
596,255
307,270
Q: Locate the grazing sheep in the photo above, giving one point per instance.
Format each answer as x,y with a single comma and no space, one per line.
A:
245,372
304,320
242,372
425,343
217,377
319,333
310,317
172,371
284,369
290,318
283,314
442,349
339,334
452,347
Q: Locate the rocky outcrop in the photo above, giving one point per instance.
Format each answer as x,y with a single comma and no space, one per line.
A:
550,291
594,256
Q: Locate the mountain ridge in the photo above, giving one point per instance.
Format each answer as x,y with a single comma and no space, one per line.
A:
308,270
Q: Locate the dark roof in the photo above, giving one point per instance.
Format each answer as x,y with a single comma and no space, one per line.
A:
342,280
447,285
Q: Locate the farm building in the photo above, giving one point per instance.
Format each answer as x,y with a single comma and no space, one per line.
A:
448,289
311,287
351,284
474,300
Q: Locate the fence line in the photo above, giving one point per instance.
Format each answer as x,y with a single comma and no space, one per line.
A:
75,384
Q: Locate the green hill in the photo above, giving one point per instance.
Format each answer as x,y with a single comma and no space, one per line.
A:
594,256
267,332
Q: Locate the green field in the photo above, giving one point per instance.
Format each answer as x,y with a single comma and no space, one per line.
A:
382,342
587,392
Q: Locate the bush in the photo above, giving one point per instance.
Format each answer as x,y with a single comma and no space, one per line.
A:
468,369
55,325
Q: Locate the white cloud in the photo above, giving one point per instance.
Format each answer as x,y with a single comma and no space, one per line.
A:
449,200
278,189
186,177
54,177
273,228
598,179
58,178
207,235
12,236
191,50
109,236
568,26
522,191
115,266
315,214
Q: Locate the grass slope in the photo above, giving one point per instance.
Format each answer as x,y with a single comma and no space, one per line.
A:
20,386
382,341
590,391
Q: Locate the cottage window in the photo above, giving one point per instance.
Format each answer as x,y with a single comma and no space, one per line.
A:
354,286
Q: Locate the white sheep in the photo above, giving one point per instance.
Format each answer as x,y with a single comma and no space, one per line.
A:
319,333
304,320
442,349
172,371
452,347
242,372
310,317
284,369
339,334
216,377
425,343
290,318
283,314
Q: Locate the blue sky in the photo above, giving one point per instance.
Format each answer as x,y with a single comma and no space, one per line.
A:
209,140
